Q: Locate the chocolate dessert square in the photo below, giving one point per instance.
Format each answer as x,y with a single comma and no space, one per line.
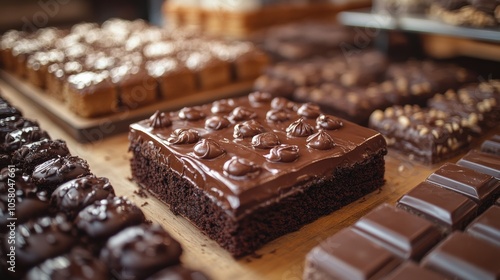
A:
481,188
446,208
248,170
462,256
426,135
482,162
487,225
405,235
347,255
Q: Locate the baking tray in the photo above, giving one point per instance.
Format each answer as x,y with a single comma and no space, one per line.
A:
87,130
416,23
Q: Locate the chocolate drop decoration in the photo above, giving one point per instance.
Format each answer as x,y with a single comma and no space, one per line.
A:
283,153
299,128
309,110
328,122
183,136
277,115
265,140
259,97
159,120
320,141
216,123
240,168
242,114
191,114
247,129
208,149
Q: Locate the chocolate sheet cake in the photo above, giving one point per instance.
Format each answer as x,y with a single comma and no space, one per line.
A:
248,170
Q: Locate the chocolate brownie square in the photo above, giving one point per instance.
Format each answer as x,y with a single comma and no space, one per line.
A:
248,170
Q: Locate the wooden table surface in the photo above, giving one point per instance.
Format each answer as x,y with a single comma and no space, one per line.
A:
282,258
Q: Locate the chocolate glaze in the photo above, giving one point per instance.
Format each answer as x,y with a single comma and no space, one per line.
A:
78,264
106,217
245,177
10,124
15,139
74,195
33,154
30,202
41,239
51,173
140,251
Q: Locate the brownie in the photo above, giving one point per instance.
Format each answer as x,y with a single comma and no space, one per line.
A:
426,135
462,256
40,239
480,187
79,263
306,39
286,165
17,138
73,196
481,111
106,217
174,79
50,174
447,209
417,81
135,87
352,103
10,124
29,201
405,235
91,93
487,225
30,155
334,258
140,251
482,162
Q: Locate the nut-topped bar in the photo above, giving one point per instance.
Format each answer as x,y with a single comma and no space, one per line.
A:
248,170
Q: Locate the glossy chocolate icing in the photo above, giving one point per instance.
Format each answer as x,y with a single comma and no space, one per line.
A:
78,264
265,158
74,195
42,238
140,251
106,217
51,173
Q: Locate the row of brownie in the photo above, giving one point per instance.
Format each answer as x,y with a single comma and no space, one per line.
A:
59,221
125,63
447,227
446,127
476,13
353,86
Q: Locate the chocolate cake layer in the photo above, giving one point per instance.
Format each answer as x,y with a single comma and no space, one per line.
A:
248,170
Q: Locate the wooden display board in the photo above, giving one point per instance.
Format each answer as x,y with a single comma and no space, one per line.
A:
282,258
